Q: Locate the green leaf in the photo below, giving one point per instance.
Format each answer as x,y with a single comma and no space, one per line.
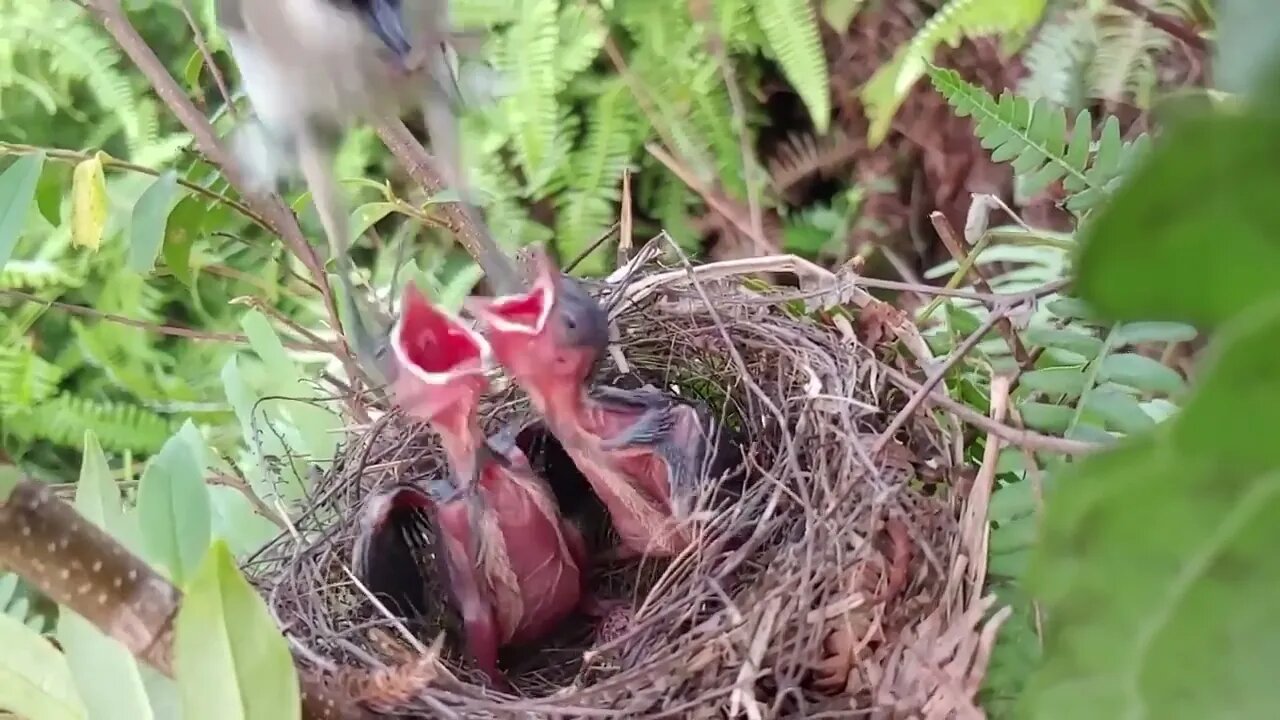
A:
1157,561
1140,372
173,503
1080,343
1046,417
150,219
1236,407
35,682
1121,412
186,222
1145,332
1191,236
1065,381
367,215
88,203
315,424
49,193
232,661
105,672
17,190
1012,501
1069,308
97,496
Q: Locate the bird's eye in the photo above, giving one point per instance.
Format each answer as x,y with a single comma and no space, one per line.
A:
570,323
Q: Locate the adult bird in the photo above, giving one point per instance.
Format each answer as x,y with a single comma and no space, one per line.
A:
514,567
313,68
645,453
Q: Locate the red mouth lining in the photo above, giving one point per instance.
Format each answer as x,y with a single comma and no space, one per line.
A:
525,310
432,341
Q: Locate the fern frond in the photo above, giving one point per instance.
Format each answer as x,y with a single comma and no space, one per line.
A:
1034,137
958,19
74,48
738,27
527,54
791,27
36,275
587,207
25,378
1058,60
64,419
1123,66
804,155
582,35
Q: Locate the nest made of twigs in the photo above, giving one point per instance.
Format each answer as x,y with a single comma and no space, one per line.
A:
846,581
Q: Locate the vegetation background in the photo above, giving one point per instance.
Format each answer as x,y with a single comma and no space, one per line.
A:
154,329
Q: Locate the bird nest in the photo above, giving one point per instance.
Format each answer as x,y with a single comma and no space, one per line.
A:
846,579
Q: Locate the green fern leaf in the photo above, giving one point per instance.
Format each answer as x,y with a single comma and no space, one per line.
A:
791,27
527,54
25,378
36,275
958,19
587,206
582,35
1123,65
1034,137
119,426
1058,60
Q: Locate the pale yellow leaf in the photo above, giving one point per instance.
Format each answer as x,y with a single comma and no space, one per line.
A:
88,203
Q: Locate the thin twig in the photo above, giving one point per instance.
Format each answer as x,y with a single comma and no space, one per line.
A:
422,167
936,377
701,10
242,486
710,197
949,238
207,57
172,330
1029,439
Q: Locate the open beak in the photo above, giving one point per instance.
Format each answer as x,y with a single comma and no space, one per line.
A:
519,324
387,21
522,314
441,360
393,533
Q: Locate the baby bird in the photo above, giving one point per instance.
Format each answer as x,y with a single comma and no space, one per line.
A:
644,452
515,569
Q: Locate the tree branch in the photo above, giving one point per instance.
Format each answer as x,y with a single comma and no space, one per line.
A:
473,236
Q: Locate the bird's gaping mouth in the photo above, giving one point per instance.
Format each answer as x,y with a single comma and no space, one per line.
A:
434,346
526,313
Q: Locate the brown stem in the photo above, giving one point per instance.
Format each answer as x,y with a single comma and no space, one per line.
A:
951,240
473,236
171,330
207,56
78,565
